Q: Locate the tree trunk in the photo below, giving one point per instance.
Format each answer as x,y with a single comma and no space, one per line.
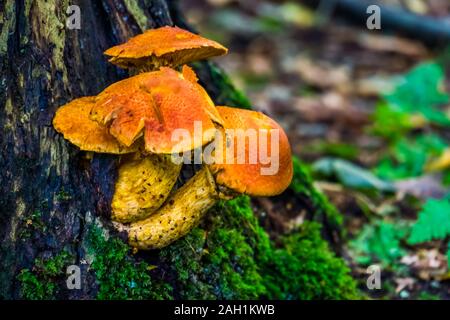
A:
53,195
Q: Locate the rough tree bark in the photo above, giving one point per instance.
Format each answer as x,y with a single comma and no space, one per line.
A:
50,191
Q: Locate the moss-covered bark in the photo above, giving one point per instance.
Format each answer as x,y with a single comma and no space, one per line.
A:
231,257
56,201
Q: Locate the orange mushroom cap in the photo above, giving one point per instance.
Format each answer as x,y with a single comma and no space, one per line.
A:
154,104
247,177
72,120
210,107
166,46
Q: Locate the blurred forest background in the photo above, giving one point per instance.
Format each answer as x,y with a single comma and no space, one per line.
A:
369,111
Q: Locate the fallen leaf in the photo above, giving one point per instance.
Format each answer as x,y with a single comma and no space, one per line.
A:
410,259
404,283
429,264
259,64
393,44
316,73
417,6
219,3
424,187
441,163
351,175
330,107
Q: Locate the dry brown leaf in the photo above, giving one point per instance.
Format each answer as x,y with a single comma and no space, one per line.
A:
319,74
219,3
416,6
259,64
424,187
404,283
332,107
429,264
393,44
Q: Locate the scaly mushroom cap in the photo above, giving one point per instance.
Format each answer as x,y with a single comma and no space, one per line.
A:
247,177
154,104
210,107
72,120
166,46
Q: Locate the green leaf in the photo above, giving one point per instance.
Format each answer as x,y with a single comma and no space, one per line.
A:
409,156
420,91
433,222
350,175
333,149
379,242
389,123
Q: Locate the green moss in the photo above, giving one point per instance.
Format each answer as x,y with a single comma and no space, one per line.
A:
235,259
7,21
54,266
302,184
52,30
229,256
304,268
118,275
40,282
63,195
424,295
33,287
138,13
219,263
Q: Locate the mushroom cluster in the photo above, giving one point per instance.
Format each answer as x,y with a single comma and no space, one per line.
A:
137,118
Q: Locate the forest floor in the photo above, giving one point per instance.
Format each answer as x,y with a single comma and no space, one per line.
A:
369,113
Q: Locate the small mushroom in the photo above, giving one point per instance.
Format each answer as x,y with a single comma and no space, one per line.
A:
166,46
185,208
248,178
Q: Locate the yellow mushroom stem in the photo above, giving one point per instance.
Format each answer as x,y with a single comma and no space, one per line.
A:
143,184
180,213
